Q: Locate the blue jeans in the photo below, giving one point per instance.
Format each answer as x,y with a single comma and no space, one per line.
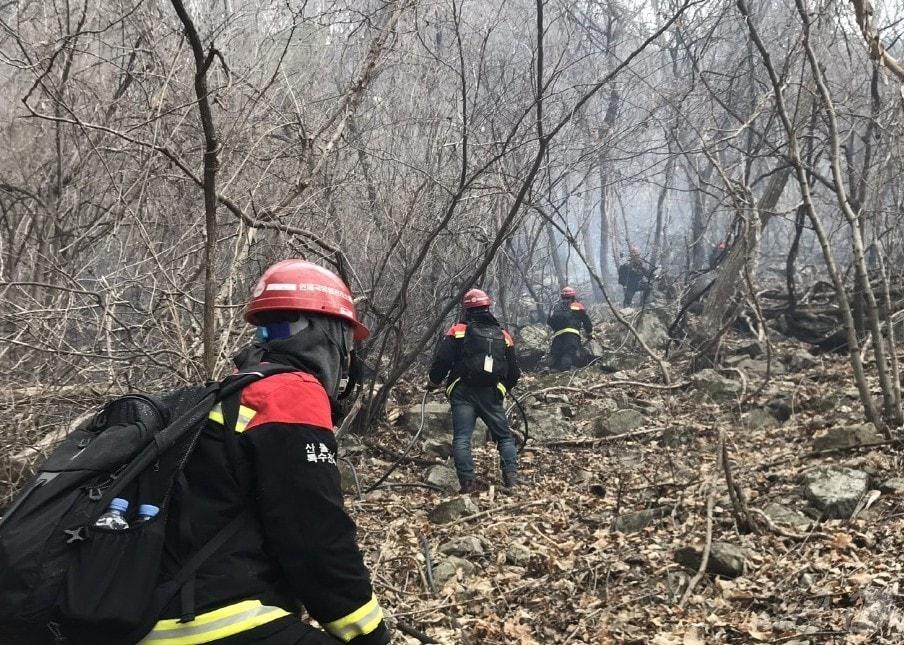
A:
468,403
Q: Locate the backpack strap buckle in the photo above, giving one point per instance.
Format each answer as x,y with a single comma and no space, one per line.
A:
75,535
95,493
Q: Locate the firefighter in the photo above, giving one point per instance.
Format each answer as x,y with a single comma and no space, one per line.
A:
477,358
298,545
567,319
716,255
635,276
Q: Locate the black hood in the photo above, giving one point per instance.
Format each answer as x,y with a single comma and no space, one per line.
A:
320,349
479,315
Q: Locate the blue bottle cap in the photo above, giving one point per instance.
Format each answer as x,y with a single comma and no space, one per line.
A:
119,504
148,510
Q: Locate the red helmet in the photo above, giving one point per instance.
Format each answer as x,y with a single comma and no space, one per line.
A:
298,285
568,292
476,298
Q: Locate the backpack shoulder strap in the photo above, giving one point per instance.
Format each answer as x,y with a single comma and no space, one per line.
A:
229,396
165,593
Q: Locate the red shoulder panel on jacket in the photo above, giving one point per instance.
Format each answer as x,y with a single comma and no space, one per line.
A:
292,397
508,338
457,330
577,306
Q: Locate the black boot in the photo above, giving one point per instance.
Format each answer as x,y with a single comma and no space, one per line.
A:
510,479
468,486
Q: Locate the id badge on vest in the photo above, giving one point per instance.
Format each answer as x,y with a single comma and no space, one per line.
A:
488,364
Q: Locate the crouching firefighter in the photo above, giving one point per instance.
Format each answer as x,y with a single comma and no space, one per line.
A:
298,546
477,355
567,319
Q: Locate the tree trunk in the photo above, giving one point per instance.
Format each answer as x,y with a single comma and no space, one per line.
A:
721,305
211,147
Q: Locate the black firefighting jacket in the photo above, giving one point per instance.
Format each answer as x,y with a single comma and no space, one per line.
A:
447,361
300,545
572,322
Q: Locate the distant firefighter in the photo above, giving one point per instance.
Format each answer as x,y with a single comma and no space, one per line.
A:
567,319
634,275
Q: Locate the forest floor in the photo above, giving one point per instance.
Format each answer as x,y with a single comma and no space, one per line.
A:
546,563
585,550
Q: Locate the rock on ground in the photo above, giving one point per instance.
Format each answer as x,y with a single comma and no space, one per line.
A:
518,555
453,509
532,345
467,546
653,331
544,425
785,515
835,490
801,359
444,477
757,368
619,422
347,479
759,419
893,486
437,420
442,448
847,437
710,383
753,349
638,521
617,361
534,338
781,408
438,425
448,569
725,559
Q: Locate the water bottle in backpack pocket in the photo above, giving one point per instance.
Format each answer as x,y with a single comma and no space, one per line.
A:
112,579
114,519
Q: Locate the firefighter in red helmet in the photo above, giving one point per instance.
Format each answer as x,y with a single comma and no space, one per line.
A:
567,319
477,359
298,546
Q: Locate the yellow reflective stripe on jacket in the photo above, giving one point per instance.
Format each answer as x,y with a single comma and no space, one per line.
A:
567,330
452,386
245,416
360,622
216,415
501,388
214,625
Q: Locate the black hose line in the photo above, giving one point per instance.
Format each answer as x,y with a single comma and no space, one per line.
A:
405,452
523,418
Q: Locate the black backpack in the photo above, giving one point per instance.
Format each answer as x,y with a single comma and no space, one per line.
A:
483,354
63,580
561,315
624,273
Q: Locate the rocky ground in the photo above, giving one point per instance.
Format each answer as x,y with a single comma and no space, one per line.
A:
625,490
625,493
